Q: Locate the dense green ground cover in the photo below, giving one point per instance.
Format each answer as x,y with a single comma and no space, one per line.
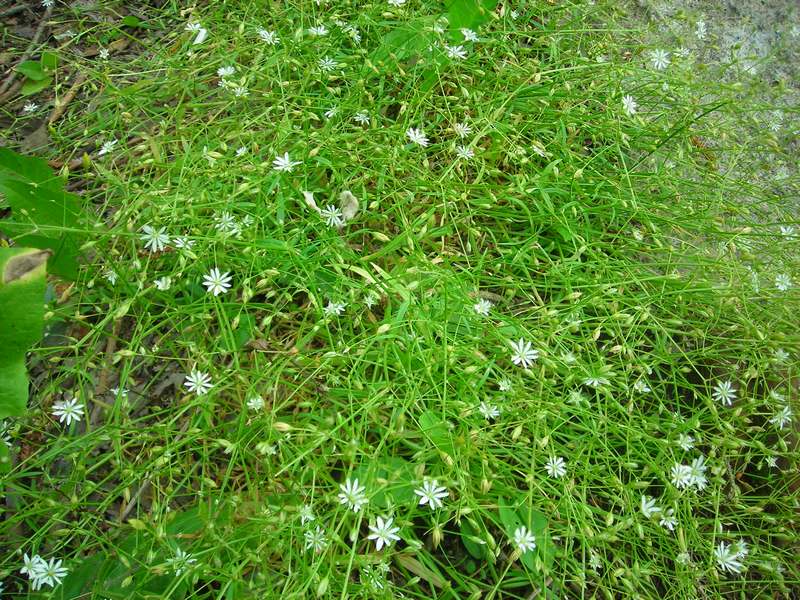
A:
545,347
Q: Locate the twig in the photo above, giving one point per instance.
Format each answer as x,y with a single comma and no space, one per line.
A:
9,12
39,31
61,106
123,514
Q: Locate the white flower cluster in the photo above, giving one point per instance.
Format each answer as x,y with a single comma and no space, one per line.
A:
41,572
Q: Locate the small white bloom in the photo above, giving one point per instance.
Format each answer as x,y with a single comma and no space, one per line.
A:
383,533
332,216
595,381
284,164
316,539
727,558
241,151
482,307
270,37
524,540
783,282
397,3
469,35
217,282
569,357
68,411
330,113
155,241
307,514
5,437
226,71
50,573
431,494
659,59
504,385
107,147
641,386
462,130
198,382
464,152
681,476
697,473
318,30
740,548
783,417
455,52
370,299
724,393
787,230
334,309
667,520
361,117
556,467
577,398
489,411
29,108
240,91
630,105
781,355
32,566
181,561
417,136
352,495
183,243
648,507
327,64
201,32
523,353
103,54
700,30
255,403
163,283
685,441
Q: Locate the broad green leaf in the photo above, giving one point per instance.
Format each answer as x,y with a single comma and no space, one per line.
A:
34,86
474,545
5,459
28,169
244,331
131,21
80,581
469,13
22,288
435,429
43,215
517,515
392,477
49,61
32,69
404,42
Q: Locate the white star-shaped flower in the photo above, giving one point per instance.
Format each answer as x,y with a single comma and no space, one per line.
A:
198,382
217,282
284,164
523,353
383,533
431,494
